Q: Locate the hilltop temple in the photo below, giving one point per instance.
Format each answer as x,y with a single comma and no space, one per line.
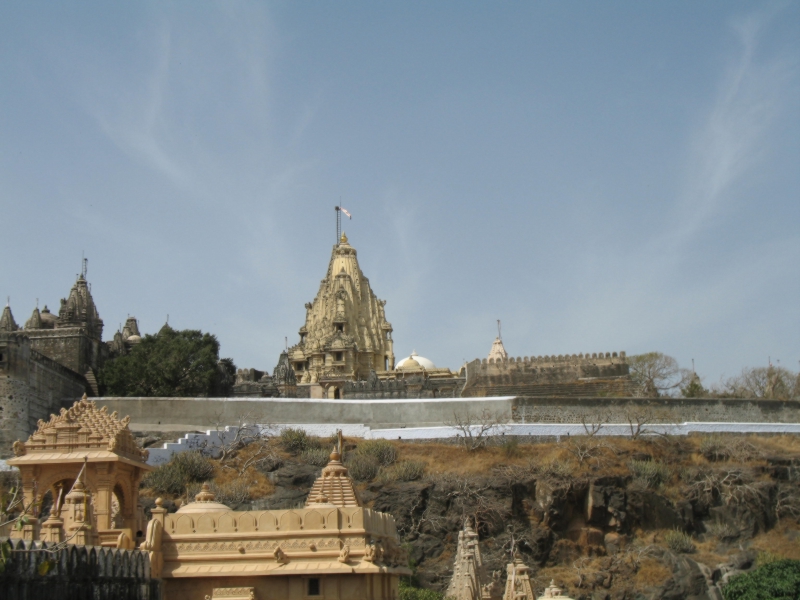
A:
346,350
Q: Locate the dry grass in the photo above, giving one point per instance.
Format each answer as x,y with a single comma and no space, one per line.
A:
779,540
651,573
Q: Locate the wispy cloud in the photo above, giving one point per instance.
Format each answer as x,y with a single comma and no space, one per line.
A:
734,136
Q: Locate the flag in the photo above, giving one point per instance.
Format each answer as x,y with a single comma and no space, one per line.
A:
345,212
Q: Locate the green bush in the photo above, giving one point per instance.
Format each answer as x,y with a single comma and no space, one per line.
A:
295,441
319,457
650,473
779,580
184,468
362,467
381,450
679,541
405,470
409,592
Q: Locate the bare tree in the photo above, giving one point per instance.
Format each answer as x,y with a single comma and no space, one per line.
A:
476,429
769,383
656,374
587,449
592,424
638,418
250,429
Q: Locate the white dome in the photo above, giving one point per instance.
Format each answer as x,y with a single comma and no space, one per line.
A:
423,362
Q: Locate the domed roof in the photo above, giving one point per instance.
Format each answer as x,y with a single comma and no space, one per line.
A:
48,318
203,502
415,361
133,340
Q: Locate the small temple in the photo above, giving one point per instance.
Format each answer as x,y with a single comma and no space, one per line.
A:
87,460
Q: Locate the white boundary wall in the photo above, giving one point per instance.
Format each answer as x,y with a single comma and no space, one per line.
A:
212,438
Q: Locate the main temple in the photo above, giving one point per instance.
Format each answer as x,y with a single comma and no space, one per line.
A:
346,334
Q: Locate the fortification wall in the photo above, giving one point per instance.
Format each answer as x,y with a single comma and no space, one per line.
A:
594,374
32,386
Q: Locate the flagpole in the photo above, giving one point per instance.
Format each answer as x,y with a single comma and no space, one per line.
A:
338,223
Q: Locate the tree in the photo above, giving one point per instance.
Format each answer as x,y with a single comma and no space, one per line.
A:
694,388
656,374
779,580
769,383
172,363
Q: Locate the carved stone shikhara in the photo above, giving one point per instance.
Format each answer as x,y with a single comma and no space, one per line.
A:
346,334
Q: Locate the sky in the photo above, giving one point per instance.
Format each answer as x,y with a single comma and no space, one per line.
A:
615,176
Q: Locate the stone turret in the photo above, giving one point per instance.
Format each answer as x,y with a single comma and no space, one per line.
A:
7,322
346,334
498,351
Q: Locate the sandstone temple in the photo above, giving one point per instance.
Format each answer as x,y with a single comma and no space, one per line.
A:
86,462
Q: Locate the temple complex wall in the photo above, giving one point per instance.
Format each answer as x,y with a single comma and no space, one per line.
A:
70,347
32,386
187,414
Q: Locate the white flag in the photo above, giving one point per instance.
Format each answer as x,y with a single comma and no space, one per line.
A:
345,212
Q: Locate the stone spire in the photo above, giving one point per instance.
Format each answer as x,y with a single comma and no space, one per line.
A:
518,582
346,334
35,322
334,485
469,574
79,310
7,322
498,351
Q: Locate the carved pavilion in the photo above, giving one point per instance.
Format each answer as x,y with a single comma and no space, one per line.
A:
97,445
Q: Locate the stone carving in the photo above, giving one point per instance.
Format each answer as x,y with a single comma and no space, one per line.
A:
280,556
344,554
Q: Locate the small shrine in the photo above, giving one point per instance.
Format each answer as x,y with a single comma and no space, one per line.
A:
89,463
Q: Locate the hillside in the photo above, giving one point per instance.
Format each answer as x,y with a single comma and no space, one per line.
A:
657,517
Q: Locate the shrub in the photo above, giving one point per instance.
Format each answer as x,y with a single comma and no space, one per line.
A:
231,494
296,441
724,532
381,450
716,448
362,467
679,541
553,469
409,592
779,580
184,468
405,470
510,447
649,473
318,457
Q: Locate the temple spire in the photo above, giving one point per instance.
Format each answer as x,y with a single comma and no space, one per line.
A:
7,322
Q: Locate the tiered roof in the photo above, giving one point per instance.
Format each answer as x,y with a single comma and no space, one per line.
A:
334,485
83,430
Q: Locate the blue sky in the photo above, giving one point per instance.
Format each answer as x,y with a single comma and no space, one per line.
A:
600,176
